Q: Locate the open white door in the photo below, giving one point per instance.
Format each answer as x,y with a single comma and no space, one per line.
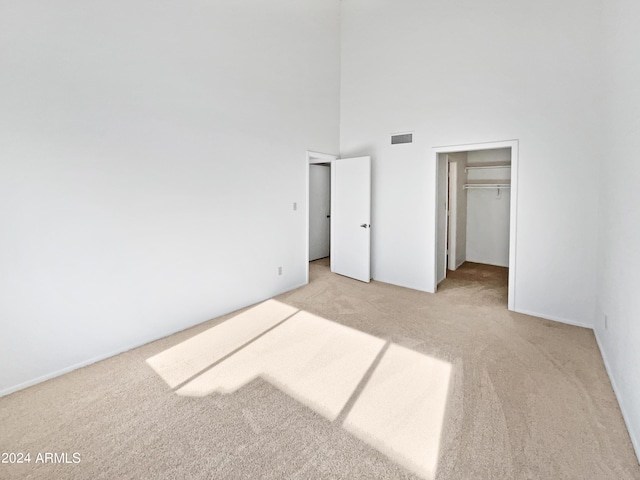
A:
351,218
443,165
452,231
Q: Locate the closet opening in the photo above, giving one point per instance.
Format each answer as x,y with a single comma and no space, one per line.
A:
475,220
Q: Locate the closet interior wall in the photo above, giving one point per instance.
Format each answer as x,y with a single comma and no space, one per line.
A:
487,207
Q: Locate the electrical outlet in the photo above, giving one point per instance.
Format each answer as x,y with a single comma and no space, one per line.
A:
279,270
295,206
606,322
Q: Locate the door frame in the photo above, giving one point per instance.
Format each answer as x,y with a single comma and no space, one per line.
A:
313,158
513,206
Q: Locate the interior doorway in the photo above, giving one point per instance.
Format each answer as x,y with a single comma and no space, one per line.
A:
339,214
319,211
476,214
318,184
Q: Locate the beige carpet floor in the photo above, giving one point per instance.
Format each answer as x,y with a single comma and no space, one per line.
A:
338,380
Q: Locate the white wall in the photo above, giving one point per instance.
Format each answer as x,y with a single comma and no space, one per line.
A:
535,67
488,227
488,210
150,154
619,255
491,156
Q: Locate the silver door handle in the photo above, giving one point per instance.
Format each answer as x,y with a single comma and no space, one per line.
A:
364,225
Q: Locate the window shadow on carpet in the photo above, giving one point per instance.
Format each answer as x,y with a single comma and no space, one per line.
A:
390,397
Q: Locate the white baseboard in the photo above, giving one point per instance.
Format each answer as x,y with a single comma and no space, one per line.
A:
288,290
484,262
410,287
625,416
57,373
84,363
554,318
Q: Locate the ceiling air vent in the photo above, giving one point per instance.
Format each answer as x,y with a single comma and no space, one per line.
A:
402,138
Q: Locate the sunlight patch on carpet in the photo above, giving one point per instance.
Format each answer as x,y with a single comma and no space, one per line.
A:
401,410
388,396
181,362
318,362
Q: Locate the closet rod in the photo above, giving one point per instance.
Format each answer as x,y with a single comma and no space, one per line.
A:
481,167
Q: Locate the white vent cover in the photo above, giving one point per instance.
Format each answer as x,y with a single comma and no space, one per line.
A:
401,138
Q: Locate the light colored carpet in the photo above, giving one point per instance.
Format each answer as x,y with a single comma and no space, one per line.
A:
338,379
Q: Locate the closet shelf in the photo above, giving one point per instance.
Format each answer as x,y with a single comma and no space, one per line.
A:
484,166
